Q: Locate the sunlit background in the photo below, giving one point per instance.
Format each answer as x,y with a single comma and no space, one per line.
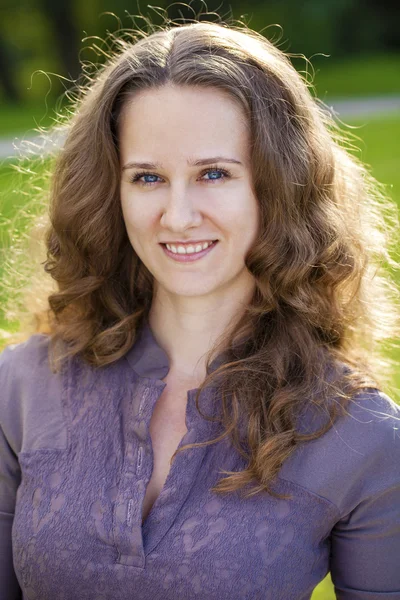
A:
352,47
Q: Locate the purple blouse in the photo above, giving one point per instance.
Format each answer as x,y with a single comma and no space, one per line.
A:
76,457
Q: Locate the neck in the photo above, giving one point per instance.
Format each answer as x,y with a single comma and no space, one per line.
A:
188,327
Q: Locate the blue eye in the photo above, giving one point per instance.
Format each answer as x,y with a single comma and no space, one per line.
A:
214,170
140,175
219,171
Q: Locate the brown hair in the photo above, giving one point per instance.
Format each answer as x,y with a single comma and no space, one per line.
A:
319,309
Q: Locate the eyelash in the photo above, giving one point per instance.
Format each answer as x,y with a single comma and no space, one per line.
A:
140,174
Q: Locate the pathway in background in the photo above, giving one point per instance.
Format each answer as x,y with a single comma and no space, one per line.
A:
343,109
364,107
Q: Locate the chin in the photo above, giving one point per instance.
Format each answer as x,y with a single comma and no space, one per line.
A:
189,289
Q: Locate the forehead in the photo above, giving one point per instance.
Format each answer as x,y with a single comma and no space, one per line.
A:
183,120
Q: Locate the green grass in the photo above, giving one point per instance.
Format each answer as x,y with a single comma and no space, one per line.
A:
358,76
23,120
379,146
19,188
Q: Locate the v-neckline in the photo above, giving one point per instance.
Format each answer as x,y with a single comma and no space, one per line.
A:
134,537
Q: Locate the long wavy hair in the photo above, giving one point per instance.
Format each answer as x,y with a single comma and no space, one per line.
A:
312,334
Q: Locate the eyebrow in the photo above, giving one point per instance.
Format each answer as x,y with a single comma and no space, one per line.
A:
195,163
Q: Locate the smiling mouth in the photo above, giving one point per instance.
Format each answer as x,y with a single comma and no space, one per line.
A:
184,256
182,247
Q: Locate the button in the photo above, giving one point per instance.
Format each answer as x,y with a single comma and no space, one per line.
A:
141,405
145,397
139,460
129,512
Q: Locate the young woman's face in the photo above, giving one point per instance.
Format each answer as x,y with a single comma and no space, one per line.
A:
173,200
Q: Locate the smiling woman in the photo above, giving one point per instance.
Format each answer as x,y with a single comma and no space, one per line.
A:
212,243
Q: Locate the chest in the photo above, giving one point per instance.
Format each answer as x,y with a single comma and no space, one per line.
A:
77,522
167,428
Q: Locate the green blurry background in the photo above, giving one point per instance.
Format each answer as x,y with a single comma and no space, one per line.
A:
353,47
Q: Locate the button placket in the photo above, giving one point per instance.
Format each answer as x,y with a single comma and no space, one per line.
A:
177,489
132,487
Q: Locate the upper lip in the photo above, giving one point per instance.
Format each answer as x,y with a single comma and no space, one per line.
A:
189,242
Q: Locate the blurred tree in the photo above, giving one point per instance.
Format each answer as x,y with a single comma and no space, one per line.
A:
63,22
363,26
50,35
7,80
28,35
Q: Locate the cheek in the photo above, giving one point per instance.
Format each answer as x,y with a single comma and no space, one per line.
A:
253,212
136,220
242,214
133,226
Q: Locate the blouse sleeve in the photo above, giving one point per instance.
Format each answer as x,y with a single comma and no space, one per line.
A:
10,477
9,481
365,543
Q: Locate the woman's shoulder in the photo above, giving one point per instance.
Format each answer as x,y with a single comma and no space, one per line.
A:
30,395
358,457
32,351
371,428
24,365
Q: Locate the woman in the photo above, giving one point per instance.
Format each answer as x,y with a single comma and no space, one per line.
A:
212,244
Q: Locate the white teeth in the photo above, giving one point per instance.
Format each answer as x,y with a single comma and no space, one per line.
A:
188,249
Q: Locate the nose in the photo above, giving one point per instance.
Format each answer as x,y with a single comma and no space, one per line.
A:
180,211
